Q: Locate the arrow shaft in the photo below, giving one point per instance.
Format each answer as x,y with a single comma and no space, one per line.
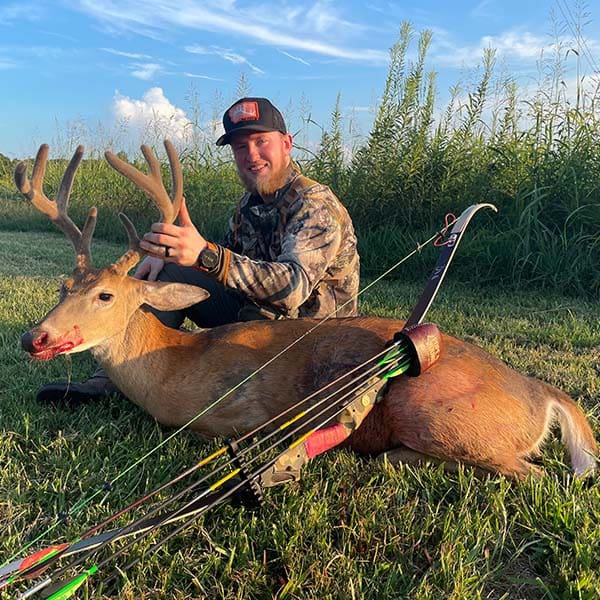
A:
143,527
208,498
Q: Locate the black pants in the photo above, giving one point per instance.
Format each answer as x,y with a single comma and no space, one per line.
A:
222,306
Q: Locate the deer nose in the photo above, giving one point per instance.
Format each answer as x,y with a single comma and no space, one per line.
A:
32,341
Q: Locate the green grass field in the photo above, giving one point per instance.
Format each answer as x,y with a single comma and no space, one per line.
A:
352,528
531,152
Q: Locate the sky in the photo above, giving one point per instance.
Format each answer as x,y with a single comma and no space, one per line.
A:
117,72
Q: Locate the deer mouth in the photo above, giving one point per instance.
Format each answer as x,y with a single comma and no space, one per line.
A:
39,346
49,353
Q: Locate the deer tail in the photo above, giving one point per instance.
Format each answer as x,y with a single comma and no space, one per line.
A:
576,434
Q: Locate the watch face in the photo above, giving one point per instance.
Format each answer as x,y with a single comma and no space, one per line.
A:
209,258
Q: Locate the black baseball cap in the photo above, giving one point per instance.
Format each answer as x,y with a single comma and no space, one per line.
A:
251,114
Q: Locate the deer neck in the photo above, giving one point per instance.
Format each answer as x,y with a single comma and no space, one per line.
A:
142,349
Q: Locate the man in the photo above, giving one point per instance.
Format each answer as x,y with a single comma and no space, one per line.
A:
290,250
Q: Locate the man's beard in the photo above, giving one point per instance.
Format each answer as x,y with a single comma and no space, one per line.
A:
265,187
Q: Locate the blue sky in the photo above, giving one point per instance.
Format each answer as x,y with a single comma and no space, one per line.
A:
106,72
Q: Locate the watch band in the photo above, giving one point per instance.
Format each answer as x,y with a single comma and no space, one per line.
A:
210,259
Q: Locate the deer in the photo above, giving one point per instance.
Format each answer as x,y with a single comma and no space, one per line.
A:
469,408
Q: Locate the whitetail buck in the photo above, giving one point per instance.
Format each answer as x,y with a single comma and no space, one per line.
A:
469,407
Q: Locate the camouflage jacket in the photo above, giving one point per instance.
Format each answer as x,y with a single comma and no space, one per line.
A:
296,255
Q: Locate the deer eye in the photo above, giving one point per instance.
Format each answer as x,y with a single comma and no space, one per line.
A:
105,296
63,292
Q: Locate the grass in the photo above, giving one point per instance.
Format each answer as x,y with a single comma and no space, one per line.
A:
352,528
531,153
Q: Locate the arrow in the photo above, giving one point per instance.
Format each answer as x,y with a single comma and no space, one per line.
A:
38,562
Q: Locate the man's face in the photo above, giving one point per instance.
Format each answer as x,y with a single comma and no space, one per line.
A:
262,160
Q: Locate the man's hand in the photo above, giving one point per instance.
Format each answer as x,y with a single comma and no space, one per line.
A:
149,268
180,243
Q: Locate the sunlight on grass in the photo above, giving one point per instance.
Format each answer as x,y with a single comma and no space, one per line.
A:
352,527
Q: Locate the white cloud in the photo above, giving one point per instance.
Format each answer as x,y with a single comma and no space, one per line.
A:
47,52
146,71
140,70
14,56
61,36
225,54
194,76
320,17
296,58
485,9
514,45
153,116
314,28
15,12
125,54
6,63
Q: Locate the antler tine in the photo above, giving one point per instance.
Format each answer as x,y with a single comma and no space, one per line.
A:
152,183
66,183
153,164
84,254
176,177
134,254
56,211
39,172
32,189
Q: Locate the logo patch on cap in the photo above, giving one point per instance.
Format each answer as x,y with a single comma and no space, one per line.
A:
244,111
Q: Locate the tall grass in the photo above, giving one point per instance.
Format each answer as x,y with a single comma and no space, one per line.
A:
535,155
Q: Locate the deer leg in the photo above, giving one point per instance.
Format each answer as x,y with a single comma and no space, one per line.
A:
515,469
221,307
518,468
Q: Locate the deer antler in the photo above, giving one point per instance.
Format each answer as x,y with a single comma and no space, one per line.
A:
134,253
152,183
56,210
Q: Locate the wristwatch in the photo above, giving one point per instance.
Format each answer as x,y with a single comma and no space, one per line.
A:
209,258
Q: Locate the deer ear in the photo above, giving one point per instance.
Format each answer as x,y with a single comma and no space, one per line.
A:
163,295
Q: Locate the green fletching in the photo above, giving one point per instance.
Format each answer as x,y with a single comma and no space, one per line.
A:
72,585
401,368
398,359
395,353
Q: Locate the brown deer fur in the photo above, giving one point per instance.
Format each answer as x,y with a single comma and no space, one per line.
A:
469,407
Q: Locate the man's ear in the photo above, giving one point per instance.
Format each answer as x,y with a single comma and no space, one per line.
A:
164,295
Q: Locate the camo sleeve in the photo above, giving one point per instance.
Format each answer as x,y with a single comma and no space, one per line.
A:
309,251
